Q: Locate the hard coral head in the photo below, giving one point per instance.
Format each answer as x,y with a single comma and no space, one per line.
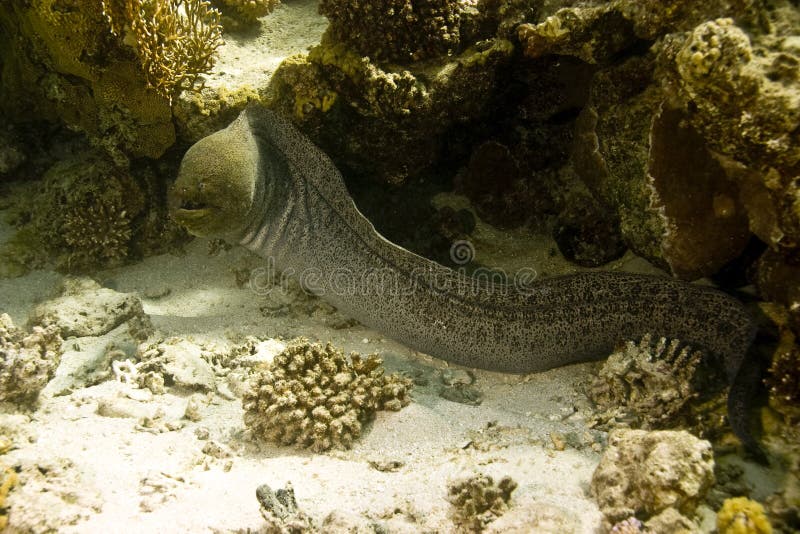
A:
215,190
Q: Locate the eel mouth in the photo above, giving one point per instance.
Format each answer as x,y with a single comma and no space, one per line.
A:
193,205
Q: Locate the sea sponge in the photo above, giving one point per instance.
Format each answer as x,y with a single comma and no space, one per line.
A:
478,501
741,515
27,360
395,30
314,397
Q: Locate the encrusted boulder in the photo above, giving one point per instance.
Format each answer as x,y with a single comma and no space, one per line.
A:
85,308
642,474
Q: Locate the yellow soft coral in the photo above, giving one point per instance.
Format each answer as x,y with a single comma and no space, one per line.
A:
741,515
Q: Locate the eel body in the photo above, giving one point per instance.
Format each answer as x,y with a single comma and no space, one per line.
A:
292,206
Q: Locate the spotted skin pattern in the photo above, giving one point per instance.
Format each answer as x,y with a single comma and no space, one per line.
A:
303,219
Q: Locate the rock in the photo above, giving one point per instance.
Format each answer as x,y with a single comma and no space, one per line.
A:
27,360
340,521
179,361
644,473
676,204
87,309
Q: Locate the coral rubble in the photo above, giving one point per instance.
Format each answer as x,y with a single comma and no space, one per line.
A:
313,396
643,474
478,501
27,360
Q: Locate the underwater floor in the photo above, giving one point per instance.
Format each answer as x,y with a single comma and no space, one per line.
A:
102,455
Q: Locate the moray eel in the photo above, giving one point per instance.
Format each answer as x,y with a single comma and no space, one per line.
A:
263,184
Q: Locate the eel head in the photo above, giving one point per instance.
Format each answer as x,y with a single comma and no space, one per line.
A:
214,193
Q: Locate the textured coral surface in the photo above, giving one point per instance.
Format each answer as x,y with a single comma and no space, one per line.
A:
315,397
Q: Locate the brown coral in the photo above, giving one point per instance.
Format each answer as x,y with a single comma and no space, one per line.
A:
27,361
175,40
478,501
395,30
647,385
314,397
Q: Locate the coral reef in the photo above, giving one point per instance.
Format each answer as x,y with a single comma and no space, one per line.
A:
675,203
175,40
478,501
657,385
239,14
279,509
400,31
61,63
314,397
663,143
89,214
783,378
354,109
642,474
27,360
741,515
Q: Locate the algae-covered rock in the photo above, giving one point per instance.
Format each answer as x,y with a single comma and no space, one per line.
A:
676,205
383,121
644,473
27,360
401,31
313,396
741,515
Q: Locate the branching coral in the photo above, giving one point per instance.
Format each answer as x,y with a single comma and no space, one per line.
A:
478,500
27,361
647,385
175,40
314,397
783,379
244,12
